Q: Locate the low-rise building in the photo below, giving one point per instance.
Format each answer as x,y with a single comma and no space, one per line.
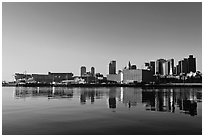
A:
21,76
59,77
131,75
115,77
137,75
42,78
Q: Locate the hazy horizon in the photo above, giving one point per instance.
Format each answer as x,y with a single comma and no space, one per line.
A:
62,37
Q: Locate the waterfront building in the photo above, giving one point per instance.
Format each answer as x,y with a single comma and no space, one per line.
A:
191,64
152,66
159,66
168,67
171,66
115,77
137,75
75,80
112,67
42,78
179,68
165,68
131,74
92,71
83,71
59,77
89,78
174,70
20,76
186,65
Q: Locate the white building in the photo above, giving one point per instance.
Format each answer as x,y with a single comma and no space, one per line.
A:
137,75
131,76
115,77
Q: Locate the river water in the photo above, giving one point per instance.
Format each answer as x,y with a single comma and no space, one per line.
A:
101,111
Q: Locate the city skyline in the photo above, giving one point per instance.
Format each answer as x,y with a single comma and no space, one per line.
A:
62,37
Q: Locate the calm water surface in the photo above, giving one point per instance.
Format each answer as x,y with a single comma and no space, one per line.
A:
101,111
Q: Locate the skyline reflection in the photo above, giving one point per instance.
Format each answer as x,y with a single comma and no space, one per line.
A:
182,100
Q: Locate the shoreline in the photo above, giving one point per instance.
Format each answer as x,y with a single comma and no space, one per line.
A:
109,85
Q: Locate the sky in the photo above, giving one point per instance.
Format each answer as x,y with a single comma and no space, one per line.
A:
62,37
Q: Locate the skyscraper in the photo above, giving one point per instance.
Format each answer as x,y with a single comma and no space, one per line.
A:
184,66
152,66
166,68
169,67
92,71
129,65
159,66
83,71
178,68
191,64
112,67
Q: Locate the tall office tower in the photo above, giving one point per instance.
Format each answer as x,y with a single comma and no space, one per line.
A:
191,64
83,71
166,68
112,67
129,65
174,70
170,68
159,66
179,68
152,66
92,71
184,66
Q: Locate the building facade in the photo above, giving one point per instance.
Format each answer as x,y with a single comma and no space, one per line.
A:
20,76
115,77
83,71
42,78
112,67
59,77
171,67
191,64
160,66
186,65
168,67
137,75
152,66
92,71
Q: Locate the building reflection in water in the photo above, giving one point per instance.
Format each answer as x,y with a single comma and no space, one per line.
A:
174,100
112,98
166,100
50,92
91,94
132,96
